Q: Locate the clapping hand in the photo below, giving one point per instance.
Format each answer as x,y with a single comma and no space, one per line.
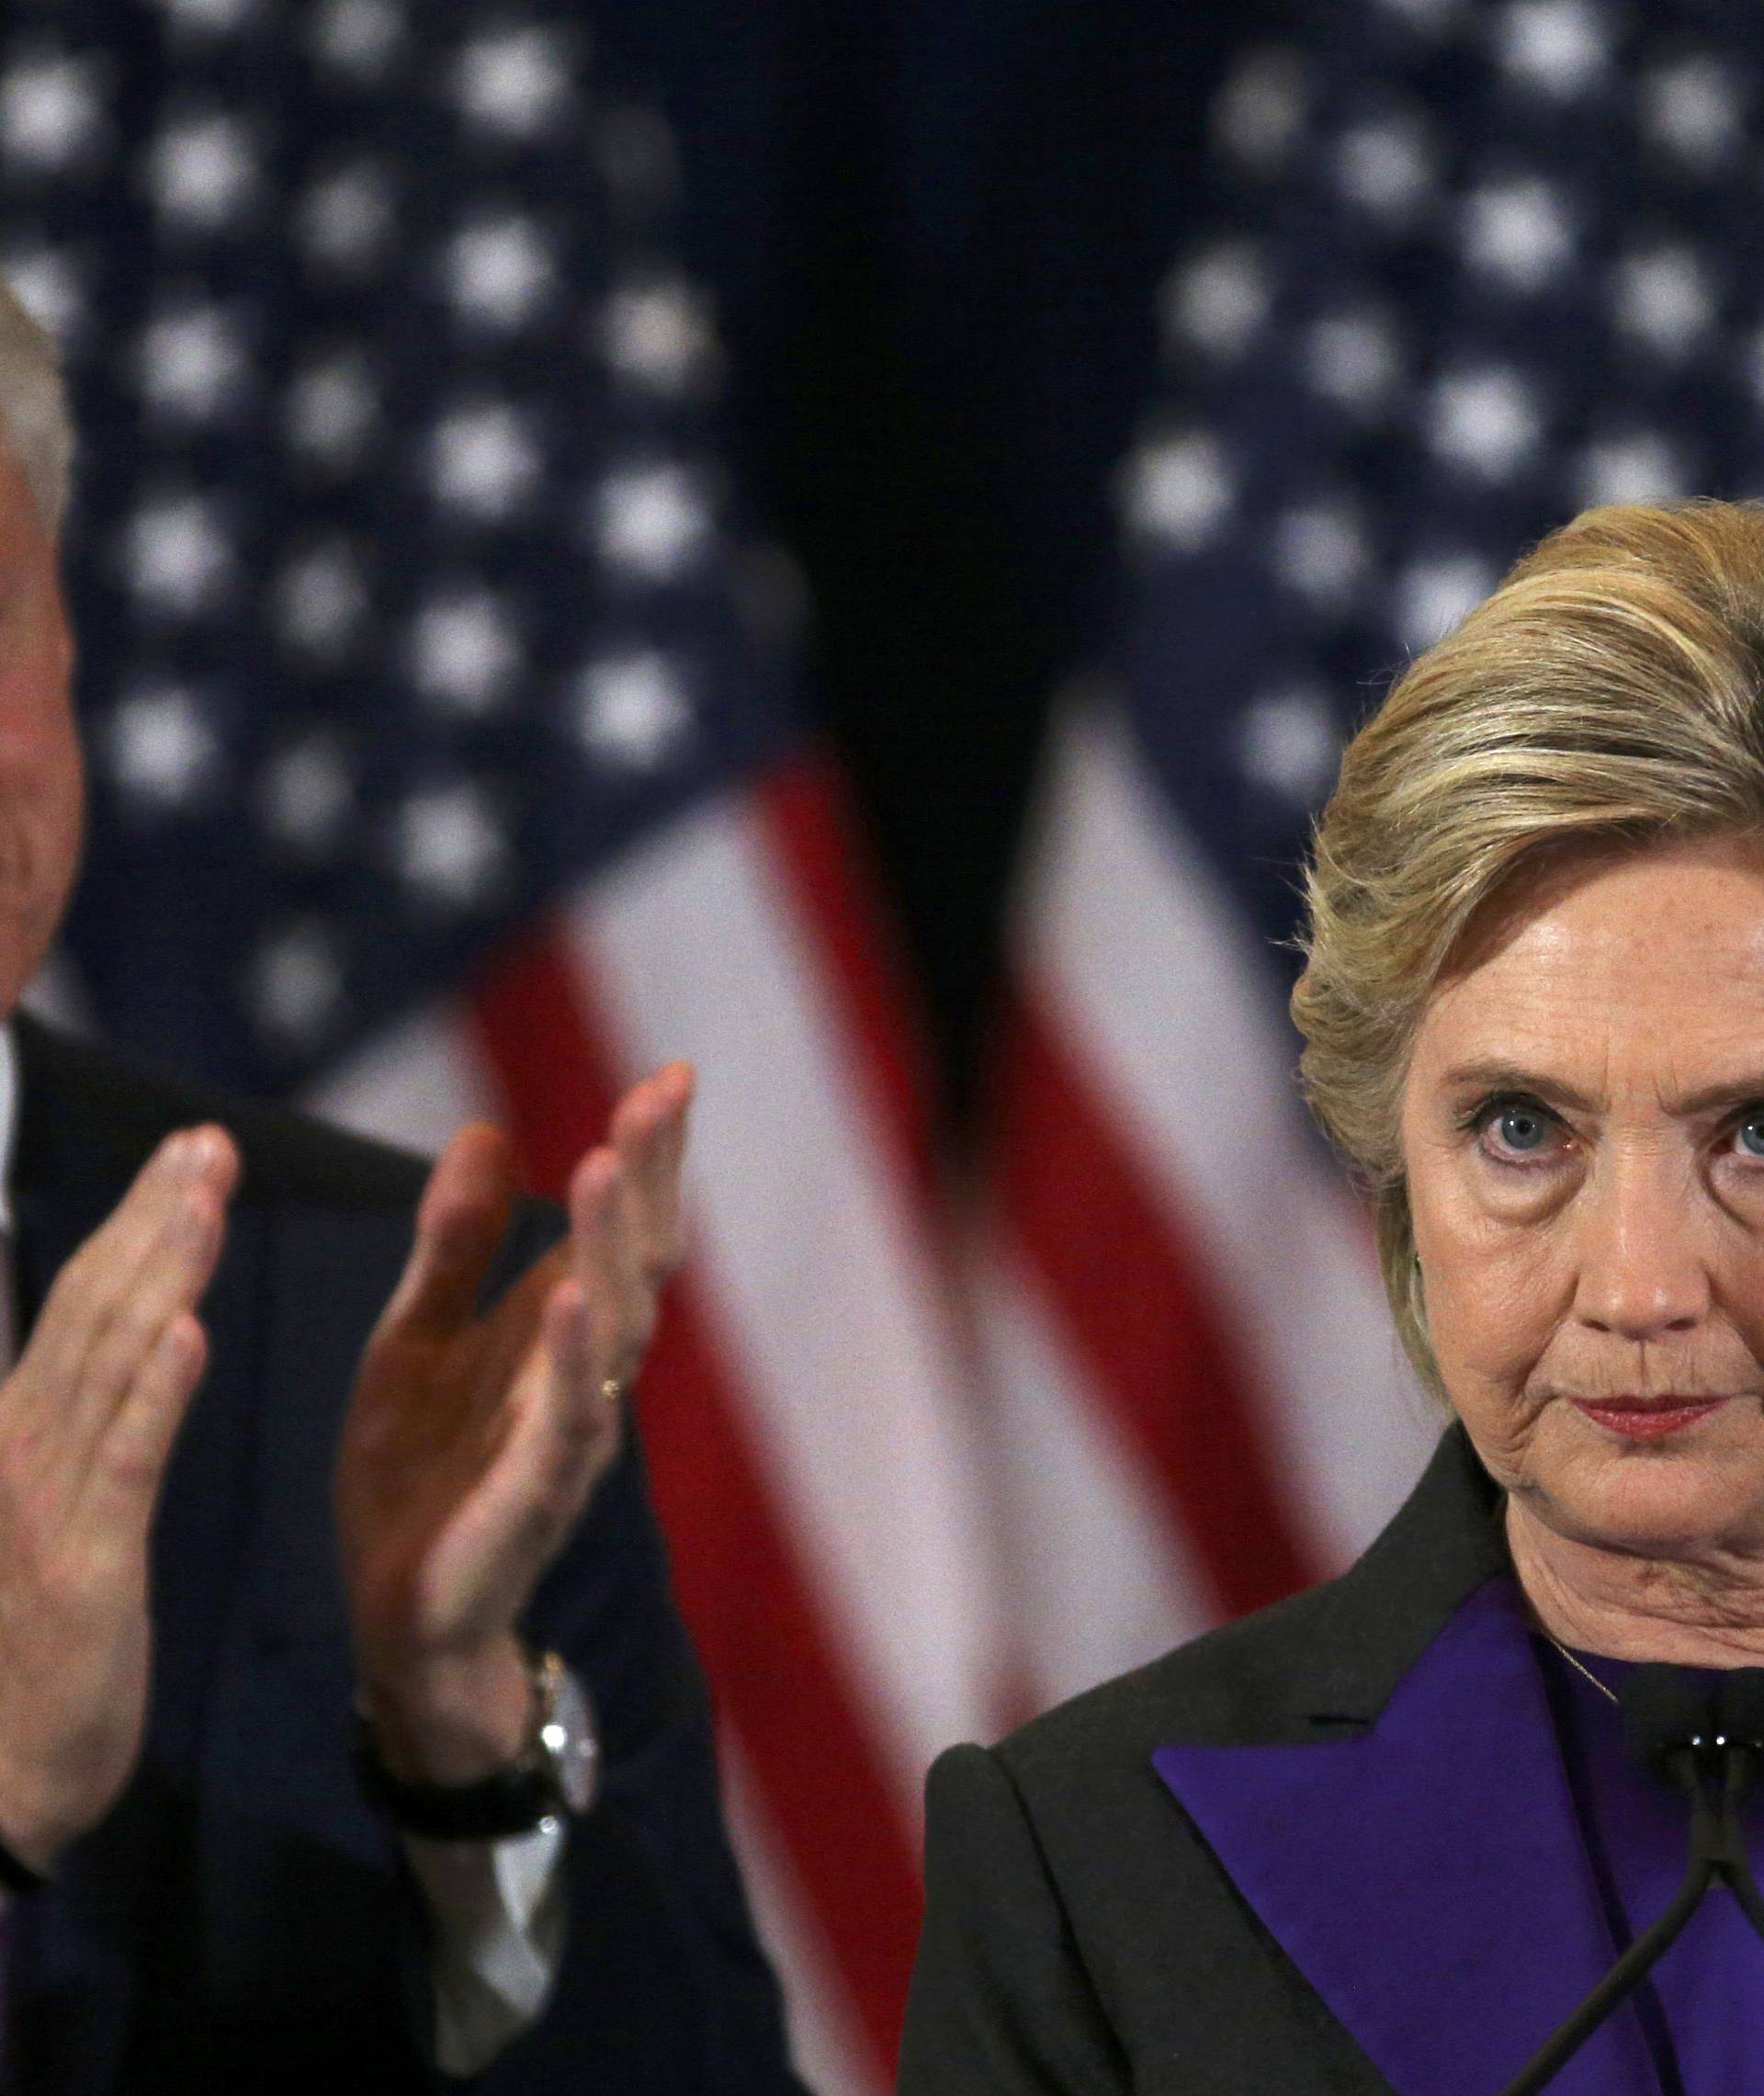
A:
474,1442
87,1421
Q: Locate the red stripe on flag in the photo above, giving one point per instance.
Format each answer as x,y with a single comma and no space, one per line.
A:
814,836
748,1600
1128,1281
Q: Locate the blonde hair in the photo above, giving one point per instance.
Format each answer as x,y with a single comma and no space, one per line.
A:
1611,691
33,406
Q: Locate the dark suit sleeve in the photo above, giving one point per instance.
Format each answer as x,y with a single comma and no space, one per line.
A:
663,1988
1001,2003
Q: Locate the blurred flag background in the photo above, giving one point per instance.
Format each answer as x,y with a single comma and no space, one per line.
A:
459,746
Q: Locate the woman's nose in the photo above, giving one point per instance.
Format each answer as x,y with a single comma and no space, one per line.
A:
1642,1268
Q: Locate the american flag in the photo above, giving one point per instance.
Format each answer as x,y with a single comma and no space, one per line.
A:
1465,269
448,759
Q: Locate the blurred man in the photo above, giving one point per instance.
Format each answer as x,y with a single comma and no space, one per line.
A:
334,1738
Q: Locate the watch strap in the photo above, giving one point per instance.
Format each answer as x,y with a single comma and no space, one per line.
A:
512,1800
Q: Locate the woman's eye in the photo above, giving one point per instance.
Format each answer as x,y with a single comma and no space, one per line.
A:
1522,1131
1749,1136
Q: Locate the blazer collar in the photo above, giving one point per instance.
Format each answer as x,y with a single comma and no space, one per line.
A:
1405,1831
1376,1621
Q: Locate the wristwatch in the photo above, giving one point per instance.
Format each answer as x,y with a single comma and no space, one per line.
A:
554,1776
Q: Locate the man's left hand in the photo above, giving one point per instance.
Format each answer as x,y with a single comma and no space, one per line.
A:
473,1443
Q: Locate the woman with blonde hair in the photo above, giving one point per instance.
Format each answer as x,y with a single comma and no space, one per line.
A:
1388,1834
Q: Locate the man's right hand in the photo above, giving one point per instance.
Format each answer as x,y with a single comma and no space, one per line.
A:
87,1420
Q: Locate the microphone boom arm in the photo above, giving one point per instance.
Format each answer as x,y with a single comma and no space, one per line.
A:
1710,1850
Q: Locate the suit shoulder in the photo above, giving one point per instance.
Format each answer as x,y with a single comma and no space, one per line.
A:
288,1155
1229,1686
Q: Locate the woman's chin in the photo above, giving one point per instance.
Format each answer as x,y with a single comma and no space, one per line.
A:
1656,1499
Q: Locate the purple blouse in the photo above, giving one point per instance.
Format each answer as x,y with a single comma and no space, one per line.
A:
1702,2011
1453,1880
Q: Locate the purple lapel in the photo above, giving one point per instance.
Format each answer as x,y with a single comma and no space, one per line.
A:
1428,1876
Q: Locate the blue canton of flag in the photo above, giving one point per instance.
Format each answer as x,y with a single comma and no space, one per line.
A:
401,563
1476,268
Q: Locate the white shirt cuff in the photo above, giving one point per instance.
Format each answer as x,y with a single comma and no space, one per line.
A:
498,1909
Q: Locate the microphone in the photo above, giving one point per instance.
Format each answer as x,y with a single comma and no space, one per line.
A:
1707,1741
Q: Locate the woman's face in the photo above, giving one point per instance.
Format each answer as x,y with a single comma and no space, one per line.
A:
1583,1132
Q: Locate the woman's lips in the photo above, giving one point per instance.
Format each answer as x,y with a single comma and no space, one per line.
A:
1648,1419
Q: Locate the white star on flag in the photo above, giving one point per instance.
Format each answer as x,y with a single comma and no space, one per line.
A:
1291,743
651,519
50,113
633,711
203,171
1486,421
296,984
1180,491
484,460
449,847
1695,110
514,81
348,217
1665,298
178,557
193,363
465,652
1217,302
322,598
358,37
500,272
1352,358
1558,46
1434,593
1517,233
162,753
333,408
308,793
659,336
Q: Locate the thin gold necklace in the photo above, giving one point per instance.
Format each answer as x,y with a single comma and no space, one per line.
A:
1604,1688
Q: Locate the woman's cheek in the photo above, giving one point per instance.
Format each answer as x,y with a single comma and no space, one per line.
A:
1489,1315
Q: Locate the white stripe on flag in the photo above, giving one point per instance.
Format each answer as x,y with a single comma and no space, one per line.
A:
413,1086
1155,982
826,2045
826,1297
1100,1583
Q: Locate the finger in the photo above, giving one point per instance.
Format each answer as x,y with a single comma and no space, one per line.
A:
79,1294
600,1251
175,1270
649,1131
607,1262
460,1222
513,1332
129,1465
562,1439
148,1262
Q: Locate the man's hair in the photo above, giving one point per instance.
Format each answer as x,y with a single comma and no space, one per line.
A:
33,408
1611,694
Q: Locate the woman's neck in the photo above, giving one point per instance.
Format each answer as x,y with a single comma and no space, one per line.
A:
1709,1613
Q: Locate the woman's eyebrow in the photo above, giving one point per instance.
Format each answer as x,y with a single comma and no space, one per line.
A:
1729,1092
1496,1075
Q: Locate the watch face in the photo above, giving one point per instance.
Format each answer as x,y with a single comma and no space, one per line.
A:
570,1746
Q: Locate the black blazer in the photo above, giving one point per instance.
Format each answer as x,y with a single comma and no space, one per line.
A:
1081,1938
241,1922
